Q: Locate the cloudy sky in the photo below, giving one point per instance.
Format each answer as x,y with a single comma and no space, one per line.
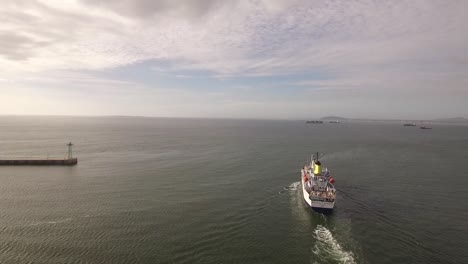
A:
238,59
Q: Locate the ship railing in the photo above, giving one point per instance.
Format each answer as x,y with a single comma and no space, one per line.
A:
321,199
323,194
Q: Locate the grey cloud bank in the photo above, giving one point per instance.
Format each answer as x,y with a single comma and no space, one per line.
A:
142,9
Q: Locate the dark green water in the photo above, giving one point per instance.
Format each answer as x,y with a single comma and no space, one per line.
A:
150,190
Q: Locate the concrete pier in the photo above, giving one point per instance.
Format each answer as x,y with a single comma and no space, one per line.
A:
39,162
69,161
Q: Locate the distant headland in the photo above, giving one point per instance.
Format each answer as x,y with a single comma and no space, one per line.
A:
452,120
333,118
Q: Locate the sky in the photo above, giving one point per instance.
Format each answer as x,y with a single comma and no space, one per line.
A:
274,59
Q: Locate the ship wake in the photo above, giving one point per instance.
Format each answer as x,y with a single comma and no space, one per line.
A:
327,249
292,187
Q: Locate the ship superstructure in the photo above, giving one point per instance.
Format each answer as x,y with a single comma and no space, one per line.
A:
318,185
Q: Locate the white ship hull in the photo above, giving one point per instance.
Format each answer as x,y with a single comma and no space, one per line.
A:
315,204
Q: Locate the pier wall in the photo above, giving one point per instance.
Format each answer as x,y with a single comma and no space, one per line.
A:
39,162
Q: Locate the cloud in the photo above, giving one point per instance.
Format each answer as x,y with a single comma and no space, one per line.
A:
147,8
17,47
334,45
232,37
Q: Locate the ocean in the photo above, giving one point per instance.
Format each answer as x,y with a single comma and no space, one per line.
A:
161,190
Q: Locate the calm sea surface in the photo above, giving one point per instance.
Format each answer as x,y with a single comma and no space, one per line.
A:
150,190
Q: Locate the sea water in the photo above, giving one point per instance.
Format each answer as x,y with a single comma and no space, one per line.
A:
156,190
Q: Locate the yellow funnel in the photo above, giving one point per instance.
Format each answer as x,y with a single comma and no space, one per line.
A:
317,169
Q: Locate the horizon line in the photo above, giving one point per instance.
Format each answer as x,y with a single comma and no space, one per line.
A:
237,118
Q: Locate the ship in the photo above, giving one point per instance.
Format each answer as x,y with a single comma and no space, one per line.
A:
314,122
334,122
318,186
409,124
425,127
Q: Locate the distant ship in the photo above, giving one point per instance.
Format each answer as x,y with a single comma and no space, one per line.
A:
410,124
317,186
425,127
334,122
314,122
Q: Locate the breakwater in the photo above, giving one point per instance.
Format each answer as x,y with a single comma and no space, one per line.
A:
38,162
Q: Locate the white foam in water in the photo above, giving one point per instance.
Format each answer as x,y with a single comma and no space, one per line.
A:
293,186
51,222
327,248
